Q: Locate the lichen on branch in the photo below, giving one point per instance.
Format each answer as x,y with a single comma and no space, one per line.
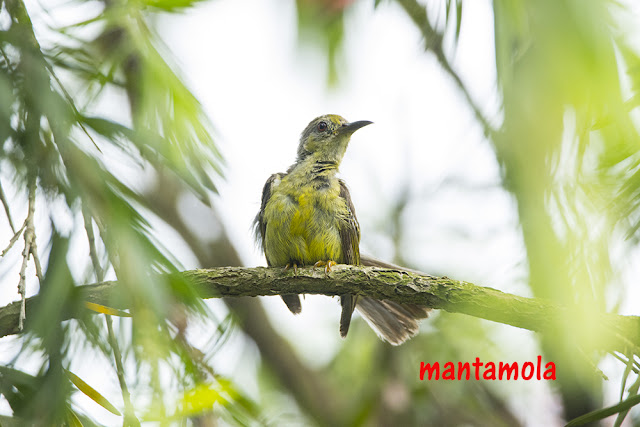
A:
455,296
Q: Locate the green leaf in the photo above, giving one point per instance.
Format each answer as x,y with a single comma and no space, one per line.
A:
633,390
605,412
171,5
92,393
454,12
106,310
72,418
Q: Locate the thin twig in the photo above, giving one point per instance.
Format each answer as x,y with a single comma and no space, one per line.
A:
433,42
3,198
129,413
22,285
93,253
14,239
31,231
29,240
33,249
117,355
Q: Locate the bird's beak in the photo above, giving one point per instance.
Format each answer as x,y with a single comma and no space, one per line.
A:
350,128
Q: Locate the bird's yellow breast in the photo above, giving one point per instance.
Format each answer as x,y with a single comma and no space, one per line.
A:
302,222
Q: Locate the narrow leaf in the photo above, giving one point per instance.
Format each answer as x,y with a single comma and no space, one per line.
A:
72,418
605,412
92,393
106,310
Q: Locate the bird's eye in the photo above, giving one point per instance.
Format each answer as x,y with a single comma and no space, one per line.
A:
322,126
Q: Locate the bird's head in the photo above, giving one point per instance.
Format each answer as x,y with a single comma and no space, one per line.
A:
326,138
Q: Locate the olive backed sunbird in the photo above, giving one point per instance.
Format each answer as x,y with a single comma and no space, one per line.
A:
307,218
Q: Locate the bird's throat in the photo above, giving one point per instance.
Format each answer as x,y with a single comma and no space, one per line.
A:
313,168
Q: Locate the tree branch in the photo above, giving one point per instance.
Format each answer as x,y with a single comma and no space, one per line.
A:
622,332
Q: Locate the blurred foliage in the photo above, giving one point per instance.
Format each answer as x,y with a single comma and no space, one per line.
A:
568,147
61,142
321,23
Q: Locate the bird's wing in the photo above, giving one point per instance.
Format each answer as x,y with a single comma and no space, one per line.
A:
349,230
260,222
350,241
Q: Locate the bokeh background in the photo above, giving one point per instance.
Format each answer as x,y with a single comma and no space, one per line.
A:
505,152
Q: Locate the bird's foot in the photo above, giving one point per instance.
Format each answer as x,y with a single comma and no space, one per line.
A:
327,265
292,265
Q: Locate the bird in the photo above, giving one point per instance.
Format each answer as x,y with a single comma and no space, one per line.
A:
307,218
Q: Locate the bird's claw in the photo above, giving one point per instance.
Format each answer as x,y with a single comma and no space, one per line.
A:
327,265
292,265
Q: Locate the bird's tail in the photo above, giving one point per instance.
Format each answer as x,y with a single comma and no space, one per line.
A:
348,303
392,321
293,302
